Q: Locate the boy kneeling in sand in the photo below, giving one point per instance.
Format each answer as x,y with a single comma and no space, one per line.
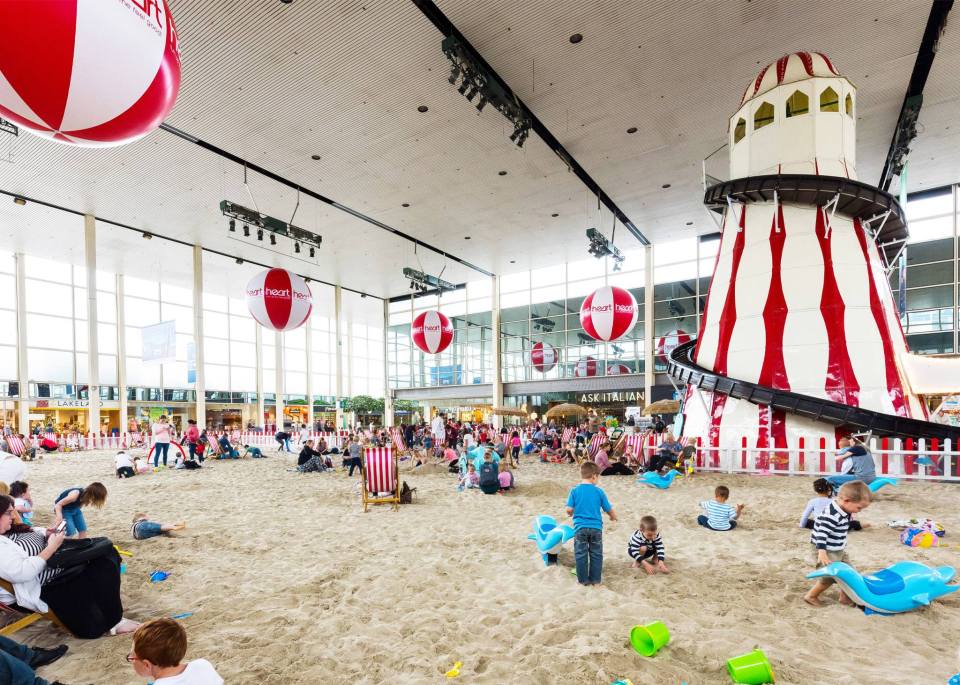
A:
829,537
158,648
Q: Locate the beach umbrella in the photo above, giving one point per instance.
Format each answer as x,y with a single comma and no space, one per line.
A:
662,407
565,410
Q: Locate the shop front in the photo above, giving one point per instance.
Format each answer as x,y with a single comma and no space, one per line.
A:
64,415
599,406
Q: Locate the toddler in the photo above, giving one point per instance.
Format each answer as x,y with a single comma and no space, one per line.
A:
140,466
505,477
645,545
253,452
68,507
124,465
817,505
143,528
585,503
829,536
22,500
158,648
720,515
471,479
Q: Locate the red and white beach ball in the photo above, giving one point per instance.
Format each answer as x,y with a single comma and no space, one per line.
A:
279,299
586,367
618,369
608,313
88,72
432,332
544,356
669,342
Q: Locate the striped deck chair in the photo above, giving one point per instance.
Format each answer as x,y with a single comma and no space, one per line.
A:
595,443
380,482
636,442
17,448
568,435
27,617
397,435
213,446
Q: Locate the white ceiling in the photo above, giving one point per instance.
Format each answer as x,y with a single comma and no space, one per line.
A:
278,83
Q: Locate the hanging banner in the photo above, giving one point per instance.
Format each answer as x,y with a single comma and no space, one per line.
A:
159,343
191,363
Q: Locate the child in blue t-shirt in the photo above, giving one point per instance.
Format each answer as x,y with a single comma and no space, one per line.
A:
585,503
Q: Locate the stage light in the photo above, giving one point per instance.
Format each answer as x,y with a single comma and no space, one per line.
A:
296,248
313,253
146,236
481,104
273,239
463,87
238,260
246,231
19,201
260,234
233,225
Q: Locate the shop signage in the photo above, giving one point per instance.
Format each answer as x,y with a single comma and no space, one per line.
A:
601,397
73,404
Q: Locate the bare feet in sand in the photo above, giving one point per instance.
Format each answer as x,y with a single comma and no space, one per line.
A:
844,600
812,601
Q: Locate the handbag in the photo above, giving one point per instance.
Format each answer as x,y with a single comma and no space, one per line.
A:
79,552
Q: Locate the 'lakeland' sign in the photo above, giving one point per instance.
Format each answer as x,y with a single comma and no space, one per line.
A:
626,396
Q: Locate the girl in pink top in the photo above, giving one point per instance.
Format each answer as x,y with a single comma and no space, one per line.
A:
161,440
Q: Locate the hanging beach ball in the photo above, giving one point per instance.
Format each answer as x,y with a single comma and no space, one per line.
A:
586,367
544,356
669,342
432,332
618,369
88,72
608,313
279,299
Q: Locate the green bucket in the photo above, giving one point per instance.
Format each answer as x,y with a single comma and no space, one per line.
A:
750,669
648,639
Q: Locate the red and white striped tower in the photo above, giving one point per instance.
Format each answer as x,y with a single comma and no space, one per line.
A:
799,299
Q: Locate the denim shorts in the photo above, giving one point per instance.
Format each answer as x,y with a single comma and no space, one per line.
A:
146,529
75,521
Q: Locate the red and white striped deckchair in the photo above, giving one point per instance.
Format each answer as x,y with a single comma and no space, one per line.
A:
214,446
568,435
595,443
379,477
397,436
17,448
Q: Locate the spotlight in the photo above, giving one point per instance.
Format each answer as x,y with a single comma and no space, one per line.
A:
19,200
482,103
463,87
238,260
273,239
146,236
454,74
246,231
472,94
296,248
259,234
313,252
233,225
362,295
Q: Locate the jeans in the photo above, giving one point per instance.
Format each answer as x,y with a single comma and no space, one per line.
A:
705,522
193,449
125,472
143,530
588,552
353,462
158,449
15,664
74,520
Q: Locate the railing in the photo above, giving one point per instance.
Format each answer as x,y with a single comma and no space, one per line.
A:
103,441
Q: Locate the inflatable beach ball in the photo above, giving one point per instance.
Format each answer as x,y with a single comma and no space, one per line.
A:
544,356
432,332
618,369
669,342
279,299
88,72
586,367
608,313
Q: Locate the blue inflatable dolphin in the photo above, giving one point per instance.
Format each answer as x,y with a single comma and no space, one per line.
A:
549,536
656,480
905,586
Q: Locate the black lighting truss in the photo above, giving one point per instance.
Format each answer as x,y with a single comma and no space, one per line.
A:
475,82
269,224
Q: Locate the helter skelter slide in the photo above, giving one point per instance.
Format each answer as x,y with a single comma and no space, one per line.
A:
800,337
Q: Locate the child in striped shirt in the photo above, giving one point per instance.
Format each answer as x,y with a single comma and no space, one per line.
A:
720,515
829,537
645,544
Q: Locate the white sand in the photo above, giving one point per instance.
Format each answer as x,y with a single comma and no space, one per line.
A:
291,583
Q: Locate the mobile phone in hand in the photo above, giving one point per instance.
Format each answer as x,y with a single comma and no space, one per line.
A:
60,528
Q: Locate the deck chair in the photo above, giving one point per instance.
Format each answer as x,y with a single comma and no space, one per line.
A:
379,475
16,446
28,617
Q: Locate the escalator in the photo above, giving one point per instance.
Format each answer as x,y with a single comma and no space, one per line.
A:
855,419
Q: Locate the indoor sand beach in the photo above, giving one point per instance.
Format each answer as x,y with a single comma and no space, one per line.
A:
289,582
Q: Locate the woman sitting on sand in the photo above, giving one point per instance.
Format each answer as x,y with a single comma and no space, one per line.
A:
87,601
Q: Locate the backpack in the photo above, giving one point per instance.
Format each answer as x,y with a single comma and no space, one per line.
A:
489,473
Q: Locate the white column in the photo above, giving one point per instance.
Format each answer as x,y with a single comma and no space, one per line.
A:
93,356
23,417
199,386
121,353
497,361
339,357
648,352
309,343
388,415
278,349
258,332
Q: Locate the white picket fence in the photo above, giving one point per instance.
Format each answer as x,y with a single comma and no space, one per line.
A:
93,441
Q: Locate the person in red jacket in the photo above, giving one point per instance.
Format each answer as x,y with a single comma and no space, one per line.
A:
192,437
